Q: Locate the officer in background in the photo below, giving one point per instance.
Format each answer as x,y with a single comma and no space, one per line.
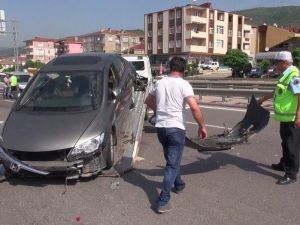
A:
287,112
13,80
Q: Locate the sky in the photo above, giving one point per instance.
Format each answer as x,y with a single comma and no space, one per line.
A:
61,18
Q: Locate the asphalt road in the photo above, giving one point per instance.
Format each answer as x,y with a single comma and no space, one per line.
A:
223,188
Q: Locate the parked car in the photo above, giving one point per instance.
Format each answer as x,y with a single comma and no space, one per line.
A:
256,72
272,72
211,66
23,78
68,120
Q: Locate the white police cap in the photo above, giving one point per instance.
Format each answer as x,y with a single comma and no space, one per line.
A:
284,56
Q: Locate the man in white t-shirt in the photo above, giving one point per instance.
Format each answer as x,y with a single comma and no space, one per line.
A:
168,100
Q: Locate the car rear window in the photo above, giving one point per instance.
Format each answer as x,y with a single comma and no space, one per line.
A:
81,60
138,65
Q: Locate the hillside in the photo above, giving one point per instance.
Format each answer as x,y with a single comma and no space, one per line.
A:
6,52
282,16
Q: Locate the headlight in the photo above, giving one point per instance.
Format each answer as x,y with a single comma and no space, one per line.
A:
87,147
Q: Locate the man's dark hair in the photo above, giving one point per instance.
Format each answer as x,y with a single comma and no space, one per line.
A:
177,64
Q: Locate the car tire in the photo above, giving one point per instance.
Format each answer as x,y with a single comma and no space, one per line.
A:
110,151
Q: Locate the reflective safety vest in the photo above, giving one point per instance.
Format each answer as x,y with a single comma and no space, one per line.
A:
13,81
285,102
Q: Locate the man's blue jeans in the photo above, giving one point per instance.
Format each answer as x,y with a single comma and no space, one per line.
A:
172,140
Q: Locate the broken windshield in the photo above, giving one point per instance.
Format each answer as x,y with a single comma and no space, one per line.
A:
63,91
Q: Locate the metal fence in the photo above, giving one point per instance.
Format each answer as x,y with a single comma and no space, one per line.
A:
229,88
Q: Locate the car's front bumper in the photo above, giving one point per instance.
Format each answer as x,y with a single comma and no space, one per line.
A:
16,165
39,167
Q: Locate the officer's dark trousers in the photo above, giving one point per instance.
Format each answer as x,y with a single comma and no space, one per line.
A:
290,137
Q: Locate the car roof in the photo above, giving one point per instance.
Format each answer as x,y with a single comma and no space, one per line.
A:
80,62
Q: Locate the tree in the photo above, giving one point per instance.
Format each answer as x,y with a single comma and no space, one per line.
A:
31,64
236,59
10,69
296,57
192,69
265,64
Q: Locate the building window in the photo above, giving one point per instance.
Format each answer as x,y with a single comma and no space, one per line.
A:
178,44
171,30
239,34
172,14
221,16
211,15
160,17
171,44
160,31
159,45
178,14
210,44
149,18
125,39
150,33
229,33
211,30
230,19
220,43
178,28
220,29
149,46
240,20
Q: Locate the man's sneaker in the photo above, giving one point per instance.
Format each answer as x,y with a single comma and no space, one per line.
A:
164,208
177,191
278,167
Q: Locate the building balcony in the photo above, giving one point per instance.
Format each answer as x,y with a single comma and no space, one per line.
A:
196,19
193,34
196,48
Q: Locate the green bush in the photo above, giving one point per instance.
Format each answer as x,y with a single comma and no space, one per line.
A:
192,69
264,65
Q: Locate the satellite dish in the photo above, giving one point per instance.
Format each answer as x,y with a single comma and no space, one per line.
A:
267,49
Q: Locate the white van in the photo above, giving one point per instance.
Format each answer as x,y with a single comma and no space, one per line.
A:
211,66
142,67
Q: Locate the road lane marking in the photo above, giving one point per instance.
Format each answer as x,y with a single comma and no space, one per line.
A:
207,125
8,100
226,109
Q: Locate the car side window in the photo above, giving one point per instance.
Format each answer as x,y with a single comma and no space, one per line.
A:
112,82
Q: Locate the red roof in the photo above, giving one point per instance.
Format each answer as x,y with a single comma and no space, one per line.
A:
40,39
138,47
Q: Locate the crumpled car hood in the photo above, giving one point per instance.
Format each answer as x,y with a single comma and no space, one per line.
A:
40,132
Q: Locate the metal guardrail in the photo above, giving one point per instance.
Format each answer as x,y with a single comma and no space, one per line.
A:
226,88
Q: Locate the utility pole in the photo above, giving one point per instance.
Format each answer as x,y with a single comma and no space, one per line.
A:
14,32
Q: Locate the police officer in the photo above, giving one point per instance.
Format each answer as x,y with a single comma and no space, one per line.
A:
13,80
287,112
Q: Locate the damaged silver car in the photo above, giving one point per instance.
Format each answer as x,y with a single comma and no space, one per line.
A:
68,119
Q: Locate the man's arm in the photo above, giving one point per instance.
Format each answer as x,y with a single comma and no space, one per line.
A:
265,98
151,102
297,120
197,114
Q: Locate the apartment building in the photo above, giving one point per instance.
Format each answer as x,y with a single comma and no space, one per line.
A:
129,40
40,49
195,31
67,45
111,41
